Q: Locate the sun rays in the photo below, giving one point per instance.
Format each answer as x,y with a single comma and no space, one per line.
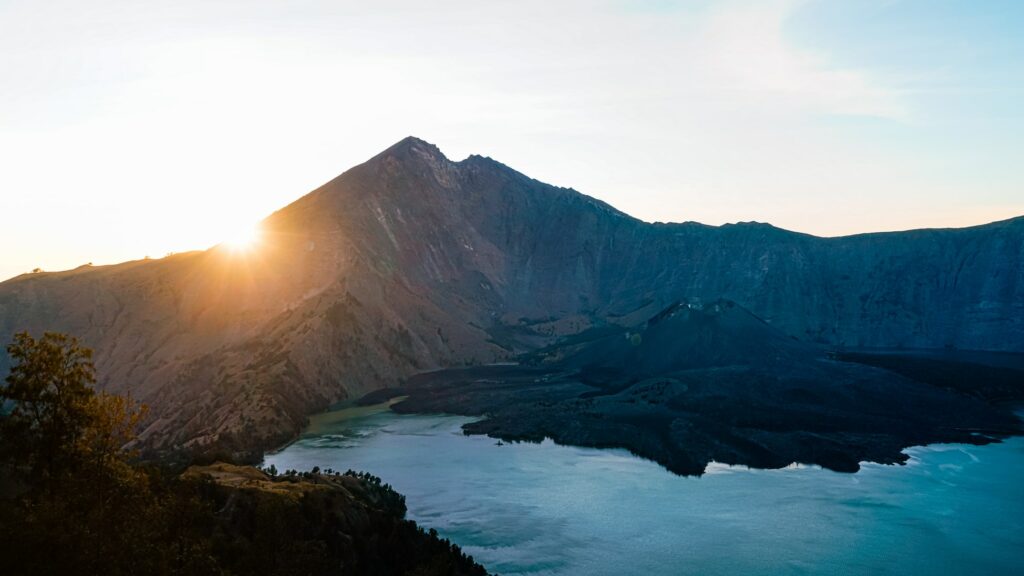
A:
242,239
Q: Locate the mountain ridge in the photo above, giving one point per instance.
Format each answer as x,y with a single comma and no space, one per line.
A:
412,262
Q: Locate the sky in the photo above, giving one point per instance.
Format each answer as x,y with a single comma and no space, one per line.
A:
132,129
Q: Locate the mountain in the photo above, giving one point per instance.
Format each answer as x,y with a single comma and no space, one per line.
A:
710,382
412,262
683,336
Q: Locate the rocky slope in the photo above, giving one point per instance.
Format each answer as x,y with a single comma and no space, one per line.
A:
411,262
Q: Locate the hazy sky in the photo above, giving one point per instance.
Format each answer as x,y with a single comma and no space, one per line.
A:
133,128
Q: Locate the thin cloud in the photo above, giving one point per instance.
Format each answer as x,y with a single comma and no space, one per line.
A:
742,51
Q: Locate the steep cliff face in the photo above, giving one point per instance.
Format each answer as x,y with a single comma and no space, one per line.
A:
411,262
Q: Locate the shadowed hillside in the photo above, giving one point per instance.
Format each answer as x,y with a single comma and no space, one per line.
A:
701,383
680,337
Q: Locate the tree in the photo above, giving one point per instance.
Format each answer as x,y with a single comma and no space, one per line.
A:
63,446
49,389
58,425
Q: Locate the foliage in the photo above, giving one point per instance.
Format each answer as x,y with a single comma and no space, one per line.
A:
73,500
78,504
58,426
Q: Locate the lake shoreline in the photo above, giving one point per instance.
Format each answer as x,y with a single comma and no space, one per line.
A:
597,507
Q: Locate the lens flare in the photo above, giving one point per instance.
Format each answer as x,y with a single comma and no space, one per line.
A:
242,239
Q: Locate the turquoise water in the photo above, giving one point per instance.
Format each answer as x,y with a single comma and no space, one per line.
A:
549,509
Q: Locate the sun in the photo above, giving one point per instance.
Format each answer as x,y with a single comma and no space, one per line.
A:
242,238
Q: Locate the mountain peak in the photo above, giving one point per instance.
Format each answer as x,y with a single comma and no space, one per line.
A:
413,147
